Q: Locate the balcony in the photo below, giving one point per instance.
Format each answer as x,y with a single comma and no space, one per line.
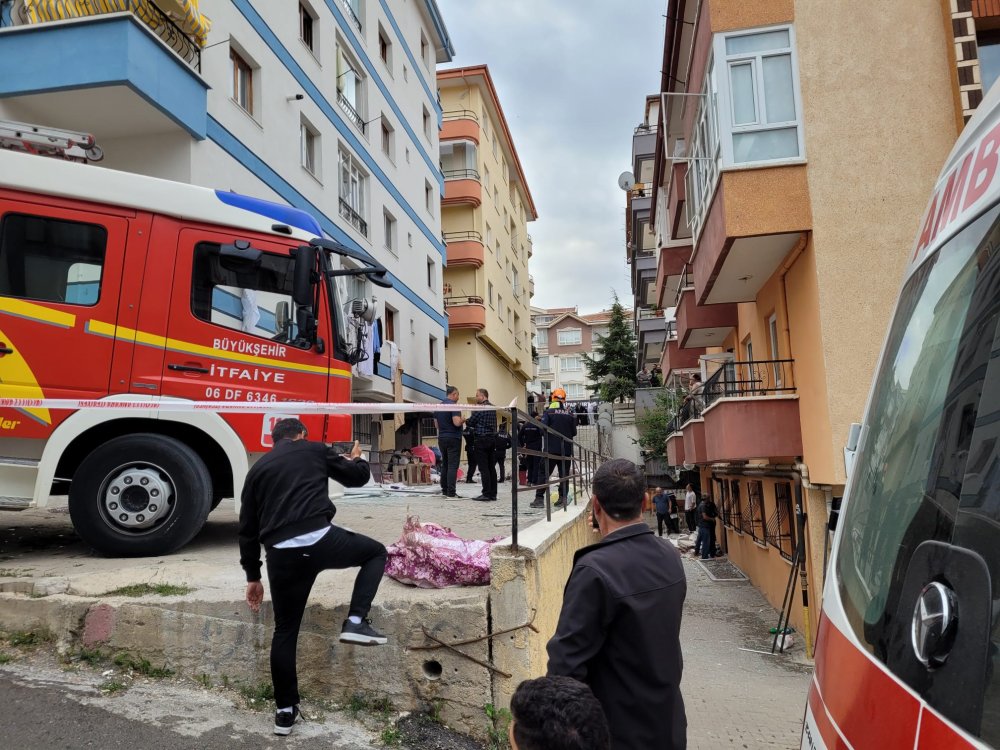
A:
692,428
675,449
745,239
352,114
699,326
462,187
531,247
677,210
357,221
669,269
352,13
460,124
644,265
119,68
531,286
651,332
675,359
752,411
464,248
643,143
465,312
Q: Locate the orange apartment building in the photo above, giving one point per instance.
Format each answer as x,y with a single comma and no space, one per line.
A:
795,146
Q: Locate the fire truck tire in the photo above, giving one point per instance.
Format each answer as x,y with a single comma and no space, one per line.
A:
140,495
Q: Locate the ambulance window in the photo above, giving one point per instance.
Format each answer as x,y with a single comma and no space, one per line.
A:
244,296
51,260
929,465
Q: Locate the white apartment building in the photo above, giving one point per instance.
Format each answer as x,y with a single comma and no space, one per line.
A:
327,105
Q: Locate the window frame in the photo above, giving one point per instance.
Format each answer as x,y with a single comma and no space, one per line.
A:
723,63
238,63
310,147
358,174
312,43
577,331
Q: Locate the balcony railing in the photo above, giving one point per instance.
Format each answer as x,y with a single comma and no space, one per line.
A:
462,299
459,114
352,114
686,281
460,174
469,236
349,7
671,330
357,221
186,45
771,377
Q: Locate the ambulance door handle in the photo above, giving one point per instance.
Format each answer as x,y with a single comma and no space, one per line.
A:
189,368
4,349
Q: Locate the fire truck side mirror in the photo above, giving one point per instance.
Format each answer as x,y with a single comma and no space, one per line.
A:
303,275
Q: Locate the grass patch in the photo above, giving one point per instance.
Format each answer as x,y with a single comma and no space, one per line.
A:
204,680
91,656
496,730
150,589
255,695
13,572
434,713
5,658
111,687
140,665
391,736
29,638
357,704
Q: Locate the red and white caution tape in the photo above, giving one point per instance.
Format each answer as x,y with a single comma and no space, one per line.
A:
231,407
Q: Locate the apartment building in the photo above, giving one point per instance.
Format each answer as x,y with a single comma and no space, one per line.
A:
795,146
562,337
485,210
328,106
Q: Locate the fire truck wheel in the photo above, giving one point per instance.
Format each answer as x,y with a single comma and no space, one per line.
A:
140,494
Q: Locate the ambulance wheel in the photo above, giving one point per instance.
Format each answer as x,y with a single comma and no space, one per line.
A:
140,495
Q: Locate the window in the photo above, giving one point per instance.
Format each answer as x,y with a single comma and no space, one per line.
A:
425,51
427,123
571,364
489,237
486,179
772,330
486,124
51,260
543,319
496,198
307,27
406,73
569,336
574,390
352,190
242,91
429,197
781,526
353,8
988,42
351,89
255,298
544,364
309,148
388,139
432,347
431,274
510,319
759,93
495,147
500,306
384,48
753,519
735,506
458,160
389,231
542,337
489,292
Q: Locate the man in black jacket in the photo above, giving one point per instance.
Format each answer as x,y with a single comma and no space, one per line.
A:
530,437
619,628
562,420
286,507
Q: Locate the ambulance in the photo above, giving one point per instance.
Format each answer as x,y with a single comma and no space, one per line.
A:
908,649
120,286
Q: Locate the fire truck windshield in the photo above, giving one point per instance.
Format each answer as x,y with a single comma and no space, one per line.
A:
928,467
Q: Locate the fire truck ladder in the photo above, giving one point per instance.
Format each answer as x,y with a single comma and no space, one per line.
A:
62,144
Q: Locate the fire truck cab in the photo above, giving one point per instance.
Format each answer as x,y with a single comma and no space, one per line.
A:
908,650
117,285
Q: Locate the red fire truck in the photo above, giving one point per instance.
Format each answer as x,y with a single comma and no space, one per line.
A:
117,285
908,650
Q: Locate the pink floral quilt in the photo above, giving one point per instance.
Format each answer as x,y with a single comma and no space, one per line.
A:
432,557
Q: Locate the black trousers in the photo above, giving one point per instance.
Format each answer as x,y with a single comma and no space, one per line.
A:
500,459
563,465
485,446
689,518
470,458
291,573
451,449
662,519
536,473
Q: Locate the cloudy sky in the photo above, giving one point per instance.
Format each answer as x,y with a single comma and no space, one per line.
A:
572,77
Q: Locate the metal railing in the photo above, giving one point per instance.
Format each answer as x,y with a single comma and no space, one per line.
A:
146,11
463,299
352,13
467,236
352,114
460,174
685,282
357,221
769,377
671,330
459,114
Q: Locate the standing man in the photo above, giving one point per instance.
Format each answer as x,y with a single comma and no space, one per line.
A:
530,438
707,513
286,507
690,503
449,424
560,419
619,628
662,506
484,427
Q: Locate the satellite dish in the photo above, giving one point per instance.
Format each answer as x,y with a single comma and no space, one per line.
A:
626,180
